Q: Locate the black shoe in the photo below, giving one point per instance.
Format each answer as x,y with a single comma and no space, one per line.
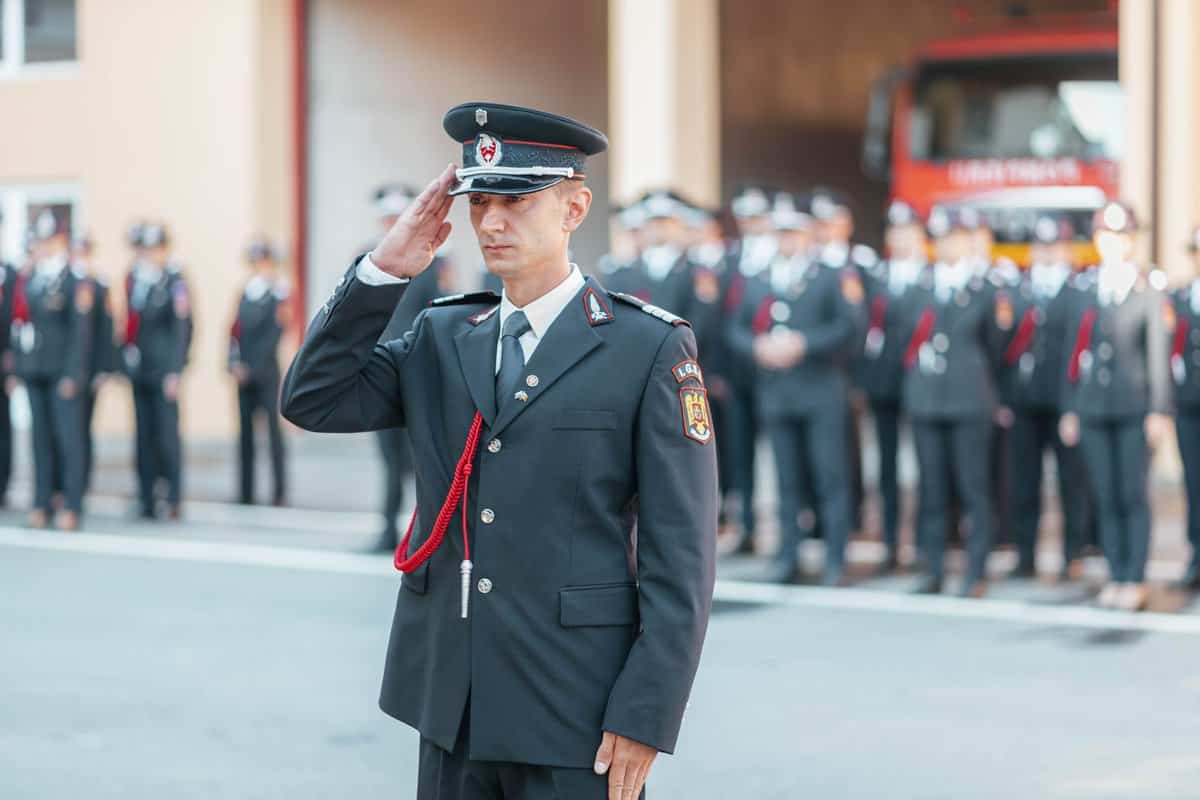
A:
973,588
889,565
783,572
1023,570
1191,578
928,585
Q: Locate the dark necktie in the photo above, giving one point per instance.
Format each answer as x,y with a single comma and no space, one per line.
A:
512,358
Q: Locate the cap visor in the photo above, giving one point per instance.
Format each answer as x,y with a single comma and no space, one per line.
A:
504,184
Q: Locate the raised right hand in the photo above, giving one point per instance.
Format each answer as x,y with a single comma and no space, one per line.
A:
408,248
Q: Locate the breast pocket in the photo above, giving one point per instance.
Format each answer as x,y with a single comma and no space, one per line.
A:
580,419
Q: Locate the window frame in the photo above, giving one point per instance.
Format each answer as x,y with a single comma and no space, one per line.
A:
12,60
15,199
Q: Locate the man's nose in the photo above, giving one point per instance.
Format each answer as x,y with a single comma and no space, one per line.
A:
493,217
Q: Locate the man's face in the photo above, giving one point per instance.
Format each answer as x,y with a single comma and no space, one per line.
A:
1113,246
159,256
954,246
794,243
838,228
661,231
981,243
754,226
905,241
81,254
523,232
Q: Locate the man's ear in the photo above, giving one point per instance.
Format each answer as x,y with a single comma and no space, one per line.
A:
578,203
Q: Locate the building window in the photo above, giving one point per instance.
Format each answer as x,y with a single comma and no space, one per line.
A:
20,206
35,33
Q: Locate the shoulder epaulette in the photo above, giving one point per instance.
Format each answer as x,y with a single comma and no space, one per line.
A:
652,310
470,298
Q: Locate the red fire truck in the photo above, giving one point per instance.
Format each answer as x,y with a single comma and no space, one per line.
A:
1011,119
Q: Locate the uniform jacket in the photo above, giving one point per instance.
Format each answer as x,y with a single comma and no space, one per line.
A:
1185,348
8,283
950,364
254,340
104,357
881,367
1033,364
55,341
157,327
816,305
586,626
1121,365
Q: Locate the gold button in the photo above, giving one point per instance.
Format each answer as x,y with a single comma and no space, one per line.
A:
494,446
531,381
488,516
485,585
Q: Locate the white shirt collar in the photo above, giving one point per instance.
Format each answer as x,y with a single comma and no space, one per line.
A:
256,287
835,253
51,267
542,312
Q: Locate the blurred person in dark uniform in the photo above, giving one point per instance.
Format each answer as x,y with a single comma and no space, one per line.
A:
158,328
1116,399
1032,369
949,393
53,331
104,359
798,324
1185,372
748,256
882,365
394,445
624,231
8,280
263,314
661,274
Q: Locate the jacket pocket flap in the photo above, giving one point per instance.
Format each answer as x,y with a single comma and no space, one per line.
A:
584,419
612,604
416,581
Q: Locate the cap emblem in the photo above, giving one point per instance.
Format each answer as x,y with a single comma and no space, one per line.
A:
487,150
481,117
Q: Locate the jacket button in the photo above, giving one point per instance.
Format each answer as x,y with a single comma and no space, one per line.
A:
941,342
494,446
531,381
485,585
487,515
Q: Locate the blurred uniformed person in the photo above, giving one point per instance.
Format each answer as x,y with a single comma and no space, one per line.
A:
748,256
1116,398
394,445
263,314
949,395
54,333
798,325
155,350
1032,369
104,358
881,375
8,280
624,226
661,274
1185,371
543,650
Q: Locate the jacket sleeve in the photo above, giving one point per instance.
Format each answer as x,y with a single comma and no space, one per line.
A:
676,555
341,380
836,335
739,328
79,332
1158,355
181,325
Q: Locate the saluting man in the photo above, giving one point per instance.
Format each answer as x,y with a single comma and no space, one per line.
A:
541,647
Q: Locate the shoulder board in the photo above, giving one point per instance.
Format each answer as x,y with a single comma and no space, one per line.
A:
470,298
864,256
652,310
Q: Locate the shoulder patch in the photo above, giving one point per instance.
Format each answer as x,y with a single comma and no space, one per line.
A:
598,312
652,310
697,422
687,369
470,298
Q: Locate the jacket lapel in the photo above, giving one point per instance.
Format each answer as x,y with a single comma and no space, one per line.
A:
569,338
477,356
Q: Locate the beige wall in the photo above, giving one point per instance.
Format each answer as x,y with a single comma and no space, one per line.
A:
176,116
382,74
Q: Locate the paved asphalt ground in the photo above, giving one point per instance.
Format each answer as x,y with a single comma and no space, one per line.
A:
238,655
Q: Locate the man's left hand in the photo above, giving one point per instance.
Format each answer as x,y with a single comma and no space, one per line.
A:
627,763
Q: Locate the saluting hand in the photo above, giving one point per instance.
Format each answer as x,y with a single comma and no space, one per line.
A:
408,248
627,763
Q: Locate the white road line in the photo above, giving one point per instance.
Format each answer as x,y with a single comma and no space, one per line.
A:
726,590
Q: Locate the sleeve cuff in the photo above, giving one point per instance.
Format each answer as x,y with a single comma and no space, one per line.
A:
366,272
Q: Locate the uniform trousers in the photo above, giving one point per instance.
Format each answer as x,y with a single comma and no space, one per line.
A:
958,448
260,396
57,444
1035,431
450,775
89,456
886,415
158,444
396,450
1187,430
1116,455
5,445
810,451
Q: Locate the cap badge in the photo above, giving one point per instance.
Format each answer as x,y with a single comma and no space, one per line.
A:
487,150
481,117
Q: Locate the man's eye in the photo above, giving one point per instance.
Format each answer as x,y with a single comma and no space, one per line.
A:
476,200
515,198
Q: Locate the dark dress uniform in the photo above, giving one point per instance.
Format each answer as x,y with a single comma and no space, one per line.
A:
577,598
254,344
803,408
1117,373
104,359
1032,366
1185,371
394,445
949,394
8,281
157,334
54,344
881,377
